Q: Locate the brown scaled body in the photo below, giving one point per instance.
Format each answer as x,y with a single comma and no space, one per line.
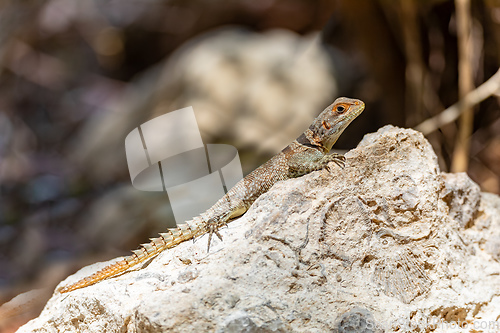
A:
309,152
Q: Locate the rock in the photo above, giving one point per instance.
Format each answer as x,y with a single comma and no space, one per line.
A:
389,243
462,196
22,308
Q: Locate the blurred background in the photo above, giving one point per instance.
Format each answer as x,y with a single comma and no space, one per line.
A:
77,76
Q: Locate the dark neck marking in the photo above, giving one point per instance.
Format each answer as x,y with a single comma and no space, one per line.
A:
287,150
305,141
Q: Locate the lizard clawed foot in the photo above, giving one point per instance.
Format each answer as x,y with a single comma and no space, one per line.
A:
337,159
340,161
212,228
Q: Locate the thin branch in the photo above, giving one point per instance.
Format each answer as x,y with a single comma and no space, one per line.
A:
487,89
460,160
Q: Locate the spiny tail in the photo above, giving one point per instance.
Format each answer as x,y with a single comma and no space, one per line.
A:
146,251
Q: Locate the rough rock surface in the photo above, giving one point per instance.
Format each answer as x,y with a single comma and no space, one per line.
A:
387,244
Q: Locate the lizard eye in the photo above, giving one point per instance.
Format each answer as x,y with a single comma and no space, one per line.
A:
340,109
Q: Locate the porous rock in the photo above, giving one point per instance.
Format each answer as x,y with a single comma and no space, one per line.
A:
389,243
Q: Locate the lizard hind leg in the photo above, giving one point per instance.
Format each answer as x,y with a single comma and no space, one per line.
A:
212,227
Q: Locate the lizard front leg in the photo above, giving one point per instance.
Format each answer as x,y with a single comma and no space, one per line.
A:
307,162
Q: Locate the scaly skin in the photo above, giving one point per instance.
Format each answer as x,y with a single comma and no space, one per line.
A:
309,152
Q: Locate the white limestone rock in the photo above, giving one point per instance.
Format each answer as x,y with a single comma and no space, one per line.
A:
389,243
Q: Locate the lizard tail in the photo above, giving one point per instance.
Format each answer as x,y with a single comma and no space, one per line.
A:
167,240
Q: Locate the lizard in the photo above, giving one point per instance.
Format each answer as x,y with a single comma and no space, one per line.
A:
308,153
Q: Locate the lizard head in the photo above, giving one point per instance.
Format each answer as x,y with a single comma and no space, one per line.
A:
329,125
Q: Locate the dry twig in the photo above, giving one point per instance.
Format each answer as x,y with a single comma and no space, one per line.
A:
487,89
460,159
